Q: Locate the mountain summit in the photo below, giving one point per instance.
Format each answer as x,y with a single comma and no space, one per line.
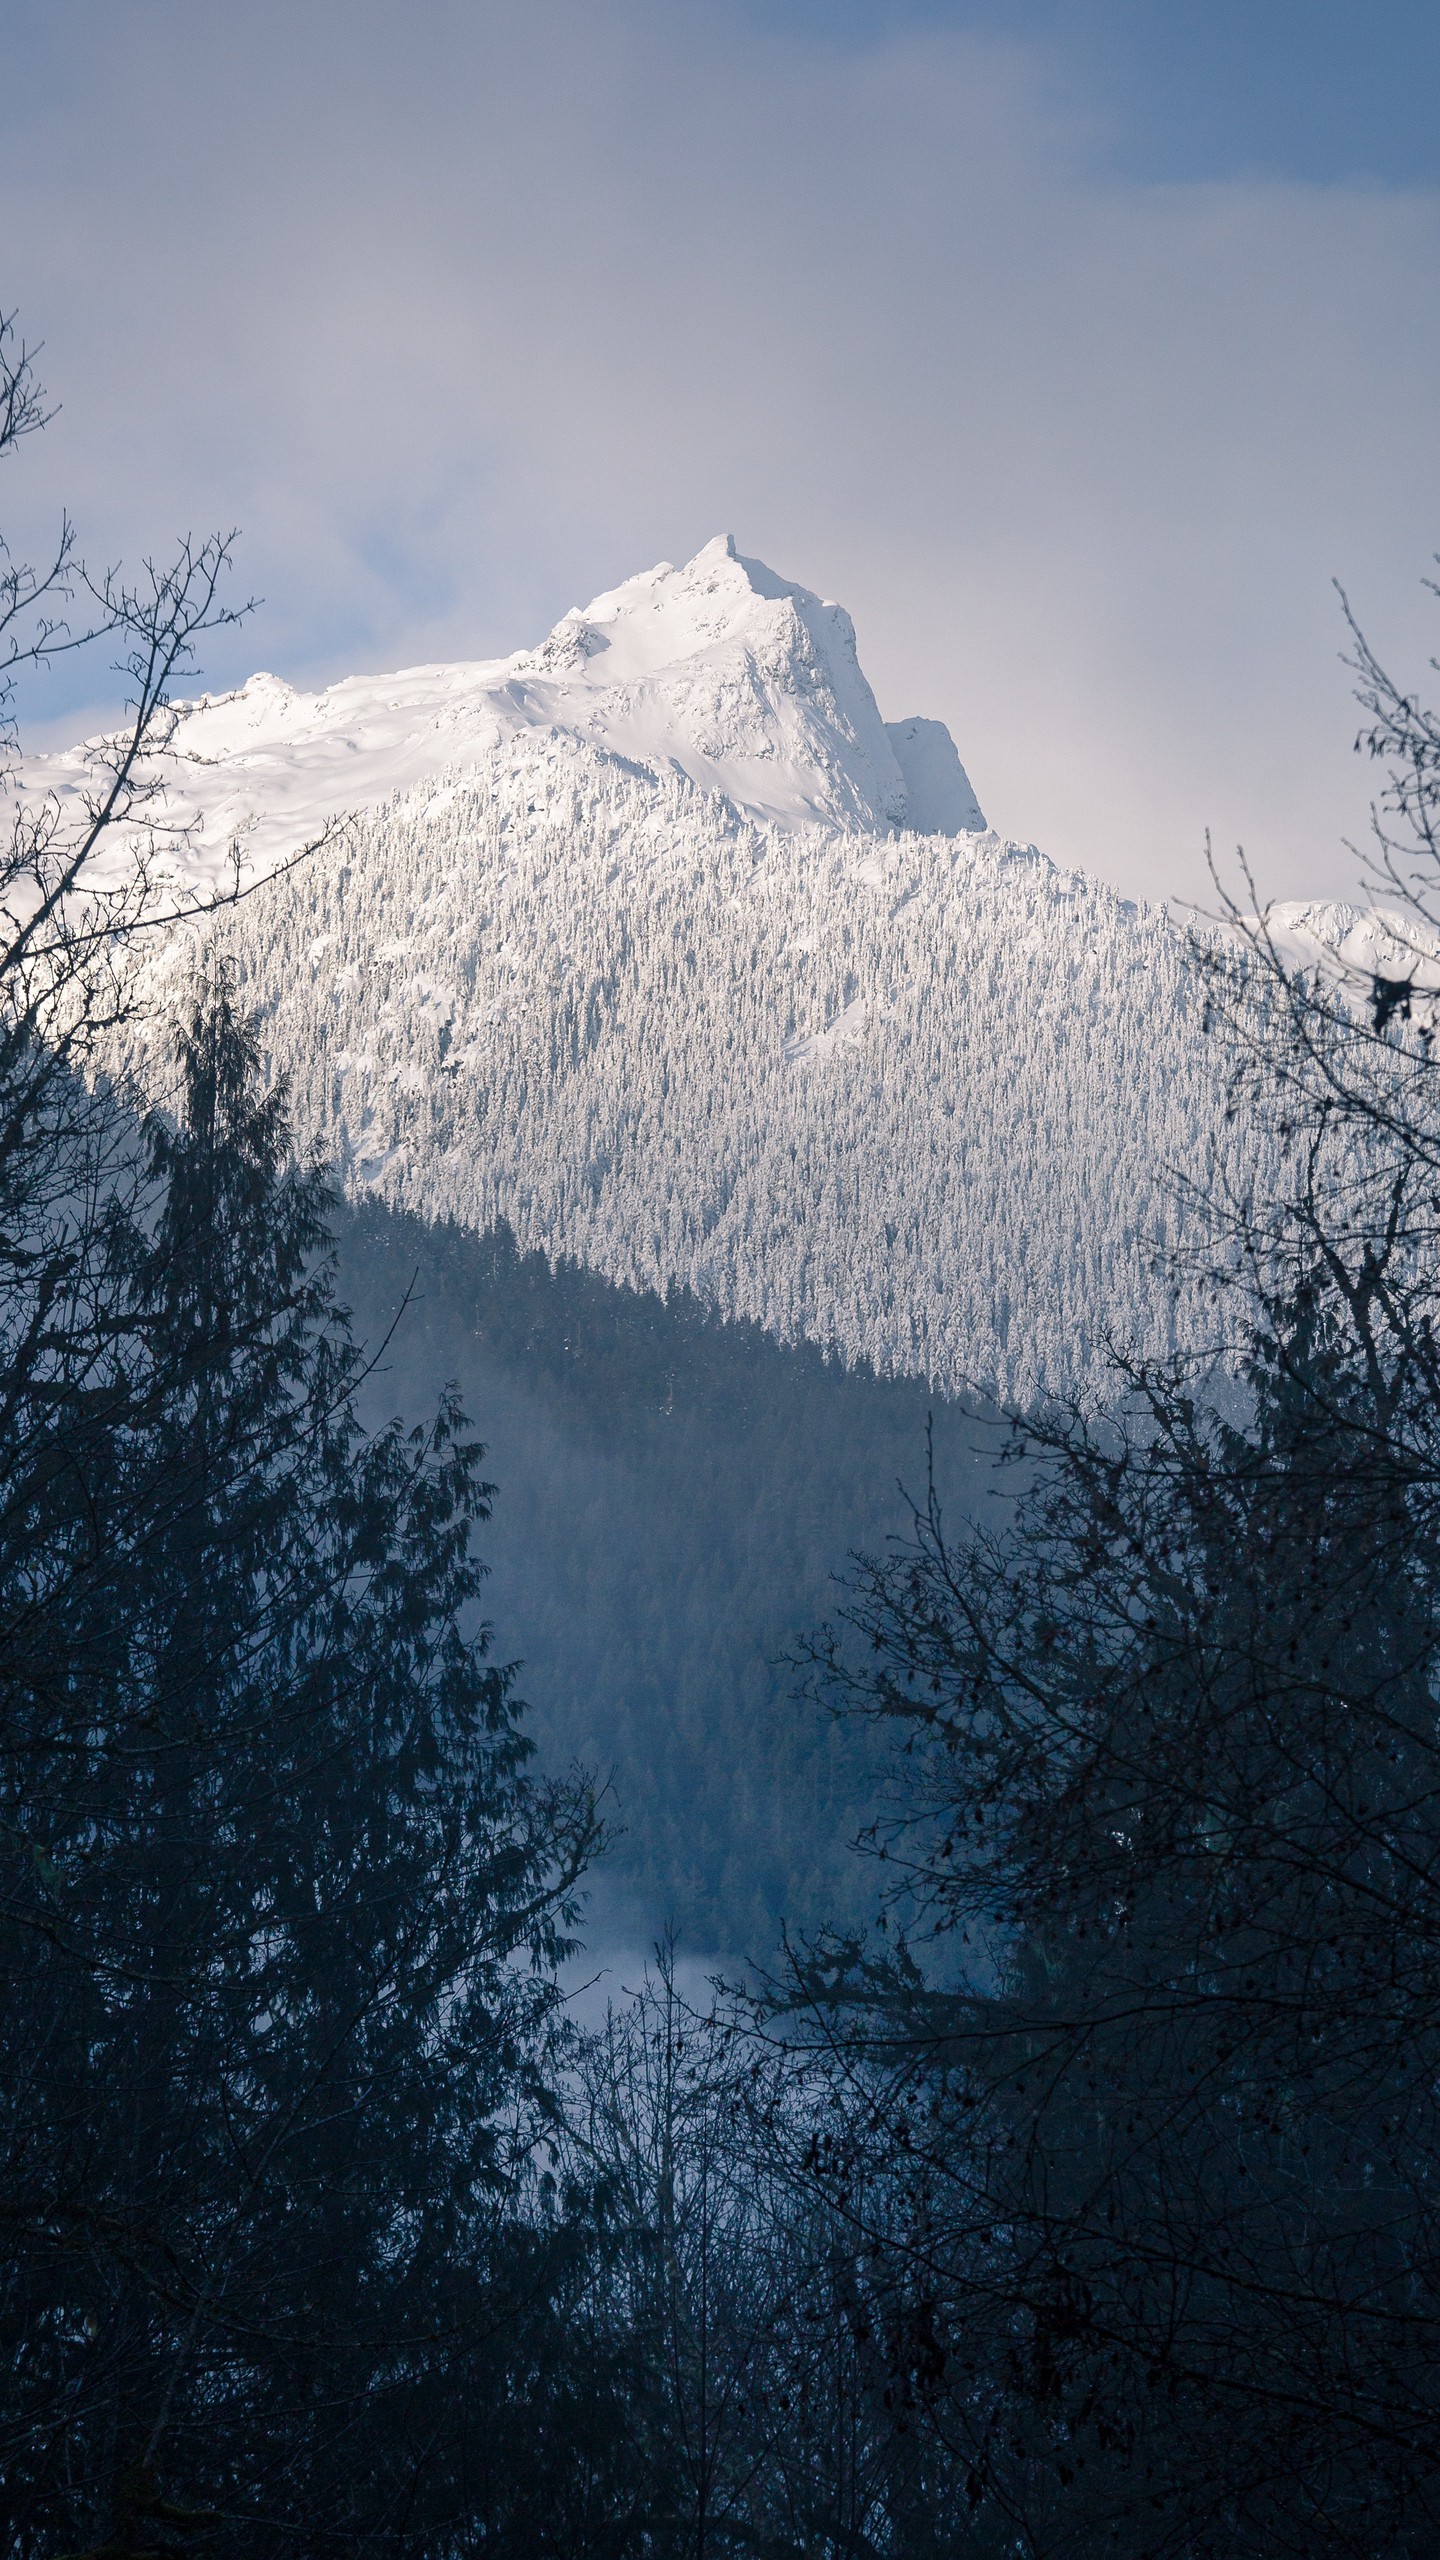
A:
745,683
752,686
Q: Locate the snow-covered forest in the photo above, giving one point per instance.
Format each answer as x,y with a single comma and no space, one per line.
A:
914,1098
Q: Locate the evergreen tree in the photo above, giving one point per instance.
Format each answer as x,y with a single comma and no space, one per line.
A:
281,1907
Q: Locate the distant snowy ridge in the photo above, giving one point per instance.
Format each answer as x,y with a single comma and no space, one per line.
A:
745,683
1353,946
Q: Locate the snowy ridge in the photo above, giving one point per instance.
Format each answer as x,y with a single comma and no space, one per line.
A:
912,1097
1353,946
744,682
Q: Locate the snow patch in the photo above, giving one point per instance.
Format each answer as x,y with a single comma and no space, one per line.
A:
849,1024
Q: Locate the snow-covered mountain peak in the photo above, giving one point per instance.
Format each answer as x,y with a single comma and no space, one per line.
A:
723,614
654,622
744,682
665,615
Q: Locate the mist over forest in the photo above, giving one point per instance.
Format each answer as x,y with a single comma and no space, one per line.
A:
676,1502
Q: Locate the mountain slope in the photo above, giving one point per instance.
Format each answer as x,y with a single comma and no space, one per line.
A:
911,1098
675,1495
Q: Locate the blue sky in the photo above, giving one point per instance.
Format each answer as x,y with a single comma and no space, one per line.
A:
1075,348
1320,90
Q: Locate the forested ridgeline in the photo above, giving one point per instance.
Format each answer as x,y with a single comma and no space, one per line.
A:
676,1497
916,1100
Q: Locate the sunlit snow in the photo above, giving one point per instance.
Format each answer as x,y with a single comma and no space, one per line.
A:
744,682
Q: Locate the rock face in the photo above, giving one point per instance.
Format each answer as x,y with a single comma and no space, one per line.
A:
938,797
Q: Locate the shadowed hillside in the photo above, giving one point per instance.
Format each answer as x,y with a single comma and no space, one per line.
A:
674,1495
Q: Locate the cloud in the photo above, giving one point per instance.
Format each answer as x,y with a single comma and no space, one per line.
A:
464,312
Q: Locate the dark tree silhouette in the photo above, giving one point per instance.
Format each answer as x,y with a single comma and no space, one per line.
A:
1154,2056
281,1899
280,1911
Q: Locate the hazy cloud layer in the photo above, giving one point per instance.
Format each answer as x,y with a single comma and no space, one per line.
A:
463,312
